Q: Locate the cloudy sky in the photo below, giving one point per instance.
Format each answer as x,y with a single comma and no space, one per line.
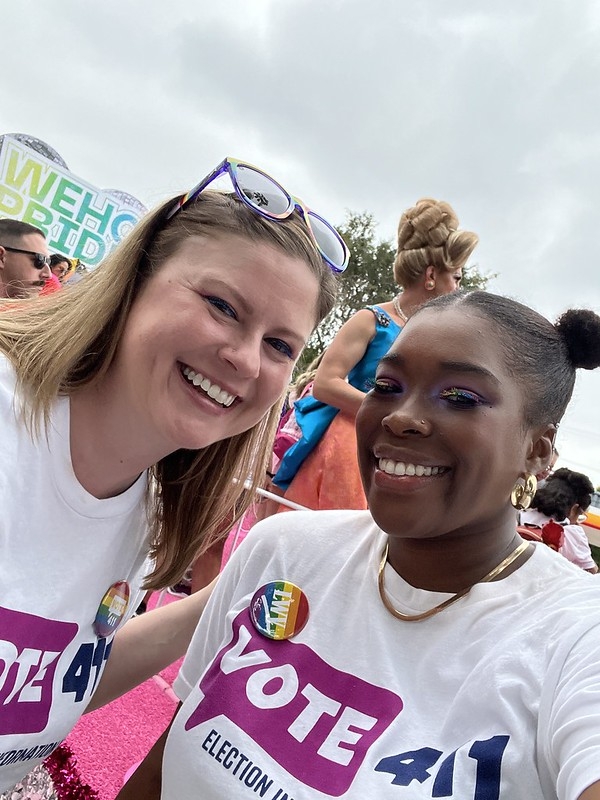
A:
364,105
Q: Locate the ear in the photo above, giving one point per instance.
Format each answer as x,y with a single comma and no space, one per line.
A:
2,255
430,274
541,448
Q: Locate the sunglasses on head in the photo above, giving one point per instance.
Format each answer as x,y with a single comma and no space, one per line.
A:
268,198
39,259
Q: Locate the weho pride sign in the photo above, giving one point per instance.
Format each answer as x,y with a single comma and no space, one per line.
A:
79,220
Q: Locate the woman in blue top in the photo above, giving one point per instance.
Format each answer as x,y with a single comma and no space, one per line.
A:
321,471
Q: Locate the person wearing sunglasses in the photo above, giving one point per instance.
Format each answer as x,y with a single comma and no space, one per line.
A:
132,410
59,266
420,649
24,259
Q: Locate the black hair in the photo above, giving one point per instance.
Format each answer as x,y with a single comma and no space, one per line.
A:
561,491
57,258
541,355
554,499
15,229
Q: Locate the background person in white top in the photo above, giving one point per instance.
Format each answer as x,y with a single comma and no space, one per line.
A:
441,656
128,405
564,497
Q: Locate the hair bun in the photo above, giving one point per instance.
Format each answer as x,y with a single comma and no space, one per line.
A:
428,223
578,483
580,331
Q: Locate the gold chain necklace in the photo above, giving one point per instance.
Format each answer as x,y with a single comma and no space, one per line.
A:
398,310
416,617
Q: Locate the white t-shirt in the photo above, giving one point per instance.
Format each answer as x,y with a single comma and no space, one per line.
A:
497,696
576,546
61,549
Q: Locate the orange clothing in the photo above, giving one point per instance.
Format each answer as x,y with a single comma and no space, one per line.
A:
329,477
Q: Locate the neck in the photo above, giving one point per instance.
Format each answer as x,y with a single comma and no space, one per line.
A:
106,454
411,299
455,560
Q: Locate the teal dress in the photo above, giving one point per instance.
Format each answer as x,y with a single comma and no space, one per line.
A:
314,417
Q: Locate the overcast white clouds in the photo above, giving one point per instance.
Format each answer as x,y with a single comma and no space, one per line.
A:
354,105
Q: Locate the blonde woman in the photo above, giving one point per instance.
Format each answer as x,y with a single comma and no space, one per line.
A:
128,406
321,471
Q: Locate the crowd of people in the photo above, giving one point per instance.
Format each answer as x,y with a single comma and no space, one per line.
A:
431,254
412,634
27,269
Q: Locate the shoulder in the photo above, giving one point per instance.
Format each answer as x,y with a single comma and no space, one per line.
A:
576,531
381,316
364,317
8,382
295,528
7,371
360,328
567,593
303,539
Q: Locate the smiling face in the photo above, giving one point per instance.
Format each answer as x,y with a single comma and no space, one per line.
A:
441,437
210,342
18,275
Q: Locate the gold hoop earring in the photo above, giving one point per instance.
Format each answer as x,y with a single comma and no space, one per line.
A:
523,492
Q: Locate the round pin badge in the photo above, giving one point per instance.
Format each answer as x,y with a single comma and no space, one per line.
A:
279,610
112,609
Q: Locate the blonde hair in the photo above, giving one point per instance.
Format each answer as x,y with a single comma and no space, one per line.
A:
428,237
67,340
304,378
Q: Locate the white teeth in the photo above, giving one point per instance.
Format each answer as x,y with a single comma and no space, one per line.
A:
400,468
212,389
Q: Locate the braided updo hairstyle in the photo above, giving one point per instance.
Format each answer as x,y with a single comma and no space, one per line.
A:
543,356
428,236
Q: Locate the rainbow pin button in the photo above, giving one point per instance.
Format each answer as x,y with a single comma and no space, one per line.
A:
279,610
112,609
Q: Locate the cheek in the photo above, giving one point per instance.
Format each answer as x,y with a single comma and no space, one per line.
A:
272,385
367,423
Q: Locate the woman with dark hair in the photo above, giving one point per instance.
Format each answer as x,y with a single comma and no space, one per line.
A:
563,498
59,266
420,649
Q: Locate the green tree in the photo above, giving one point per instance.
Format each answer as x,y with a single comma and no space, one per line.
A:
367,280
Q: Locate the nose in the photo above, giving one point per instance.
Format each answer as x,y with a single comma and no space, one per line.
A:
244,355
45,272
406,422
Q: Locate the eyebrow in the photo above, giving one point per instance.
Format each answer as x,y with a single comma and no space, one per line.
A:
395,359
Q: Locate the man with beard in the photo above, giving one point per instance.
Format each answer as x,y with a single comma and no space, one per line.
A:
24,259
